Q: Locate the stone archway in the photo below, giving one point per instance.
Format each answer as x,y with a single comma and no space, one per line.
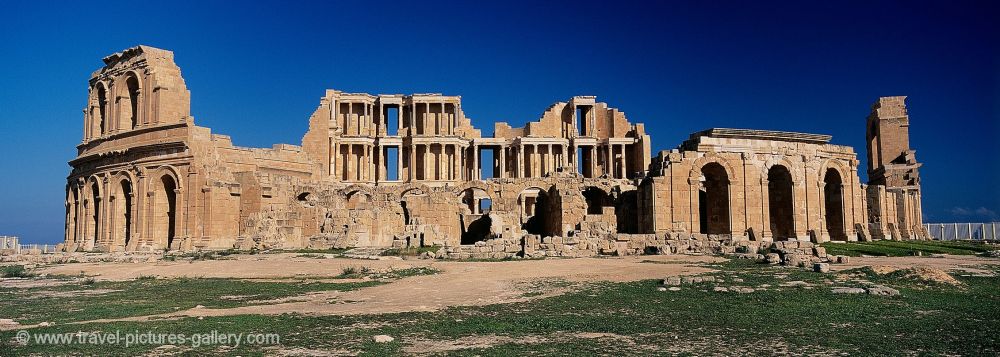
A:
713,200
94,215
479,226
164,218
781,198
833,201
534,206
121,216
596,199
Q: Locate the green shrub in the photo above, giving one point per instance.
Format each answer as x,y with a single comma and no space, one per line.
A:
15,271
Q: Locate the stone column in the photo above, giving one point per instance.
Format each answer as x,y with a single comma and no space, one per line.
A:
536,167
453,163
349,118
441,174
332,160
399,165
624,166
103,213
411,174
518,161
423,159
503,162
565,155
765,209
429,167
399,126
366,159
476,173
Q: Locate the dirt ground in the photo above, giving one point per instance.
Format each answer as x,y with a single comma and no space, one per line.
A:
457,284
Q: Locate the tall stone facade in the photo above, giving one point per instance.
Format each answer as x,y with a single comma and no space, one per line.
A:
411,170
894,180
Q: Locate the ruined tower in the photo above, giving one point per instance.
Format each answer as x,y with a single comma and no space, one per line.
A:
893,178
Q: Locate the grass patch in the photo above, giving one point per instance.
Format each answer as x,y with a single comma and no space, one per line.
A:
352,272
147,297
410,252
906,248
15,271
337,251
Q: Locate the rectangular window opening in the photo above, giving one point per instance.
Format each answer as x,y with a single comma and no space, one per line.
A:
392,121
392,164
486,163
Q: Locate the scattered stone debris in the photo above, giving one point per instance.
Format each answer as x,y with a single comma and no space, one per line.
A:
846,290
796,284
821,267
881,290
383,339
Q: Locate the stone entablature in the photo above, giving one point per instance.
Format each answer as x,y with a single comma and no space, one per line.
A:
578,181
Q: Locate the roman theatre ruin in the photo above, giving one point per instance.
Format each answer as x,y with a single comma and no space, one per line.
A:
396,170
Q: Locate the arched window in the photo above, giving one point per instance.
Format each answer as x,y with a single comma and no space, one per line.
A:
102,106
132,83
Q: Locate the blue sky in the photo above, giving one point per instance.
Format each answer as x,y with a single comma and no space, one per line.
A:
256,70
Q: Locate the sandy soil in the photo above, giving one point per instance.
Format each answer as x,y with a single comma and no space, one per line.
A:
954,263
458,283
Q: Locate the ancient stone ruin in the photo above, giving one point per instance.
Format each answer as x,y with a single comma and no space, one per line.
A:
397,170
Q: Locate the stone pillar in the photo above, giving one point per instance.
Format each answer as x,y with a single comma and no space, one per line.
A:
103,214
624,163
476,172
503,162
441,174
399,165
367,160
413,121
411,175
423,160
536,160
765,209
519,161
610,164
565,156
349,118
